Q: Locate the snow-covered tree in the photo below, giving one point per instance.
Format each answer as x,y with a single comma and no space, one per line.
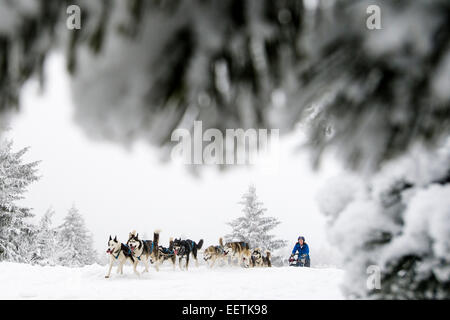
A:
254,227
15,176
400,222
74,242
45,240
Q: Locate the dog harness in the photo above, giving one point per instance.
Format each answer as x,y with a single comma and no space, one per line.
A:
118,253
116,257
166,251
191,245
151,250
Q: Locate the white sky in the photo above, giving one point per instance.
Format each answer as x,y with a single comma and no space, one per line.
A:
118,190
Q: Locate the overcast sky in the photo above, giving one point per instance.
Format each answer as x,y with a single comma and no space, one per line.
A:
118,190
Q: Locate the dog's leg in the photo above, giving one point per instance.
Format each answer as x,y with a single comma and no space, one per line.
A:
213,261
134,267
195,256
157,265
119,267
187,262
179,263
146,265
174,262
108,274
196,260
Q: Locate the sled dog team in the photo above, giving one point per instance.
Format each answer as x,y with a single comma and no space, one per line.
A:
137,250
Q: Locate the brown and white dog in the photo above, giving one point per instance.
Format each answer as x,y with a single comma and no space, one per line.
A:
118,252
144,250
214,253
238,250
259,260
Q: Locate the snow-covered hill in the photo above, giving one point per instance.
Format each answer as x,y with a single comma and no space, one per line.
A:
22,281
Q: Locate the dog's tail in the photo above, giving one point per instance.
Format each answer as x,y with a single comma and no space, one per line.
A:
156,242
200,244
170,243
268,254
221,242
269,263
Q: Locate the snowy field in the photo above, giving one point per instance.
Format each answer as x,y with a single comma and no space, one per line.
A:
22,281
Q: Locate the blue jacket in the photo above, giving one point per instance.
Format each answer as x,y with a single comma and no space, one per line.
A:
301,250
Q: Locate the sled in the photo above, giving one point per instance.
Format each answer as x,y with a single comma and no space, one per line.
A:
296,262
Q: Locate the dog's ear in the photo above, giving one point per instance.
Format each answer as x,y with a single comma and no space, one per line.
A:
110,238
115,238
137,236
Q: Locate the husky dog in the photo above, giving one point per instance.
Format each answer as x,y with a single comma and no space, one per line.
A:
184,248
239,251
144,250
118,252
259,260
214,253
167,254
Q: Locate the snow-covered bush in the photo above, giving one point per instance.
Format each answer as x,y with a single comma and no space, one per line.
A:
400,222
254,227
16,232
337,193
74,242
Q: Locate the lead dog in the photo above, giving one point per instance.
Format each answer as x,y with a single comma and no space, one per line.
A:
214,253
144,250
238,250
118,252
184,248
259,260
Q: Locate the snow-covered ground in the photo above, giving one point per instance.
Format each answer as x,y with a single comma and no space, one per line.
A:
22,281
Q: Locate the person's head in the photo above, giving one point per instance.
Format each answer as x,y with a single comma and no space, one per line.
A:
301,240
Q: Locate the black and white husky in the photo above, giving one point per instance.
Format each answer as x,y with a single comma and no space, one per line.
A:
184,248
120,253
144,250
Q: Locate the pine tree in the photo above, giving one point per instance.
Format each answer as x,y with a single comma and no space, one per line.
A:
15,176
45,240
254,226
75,241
